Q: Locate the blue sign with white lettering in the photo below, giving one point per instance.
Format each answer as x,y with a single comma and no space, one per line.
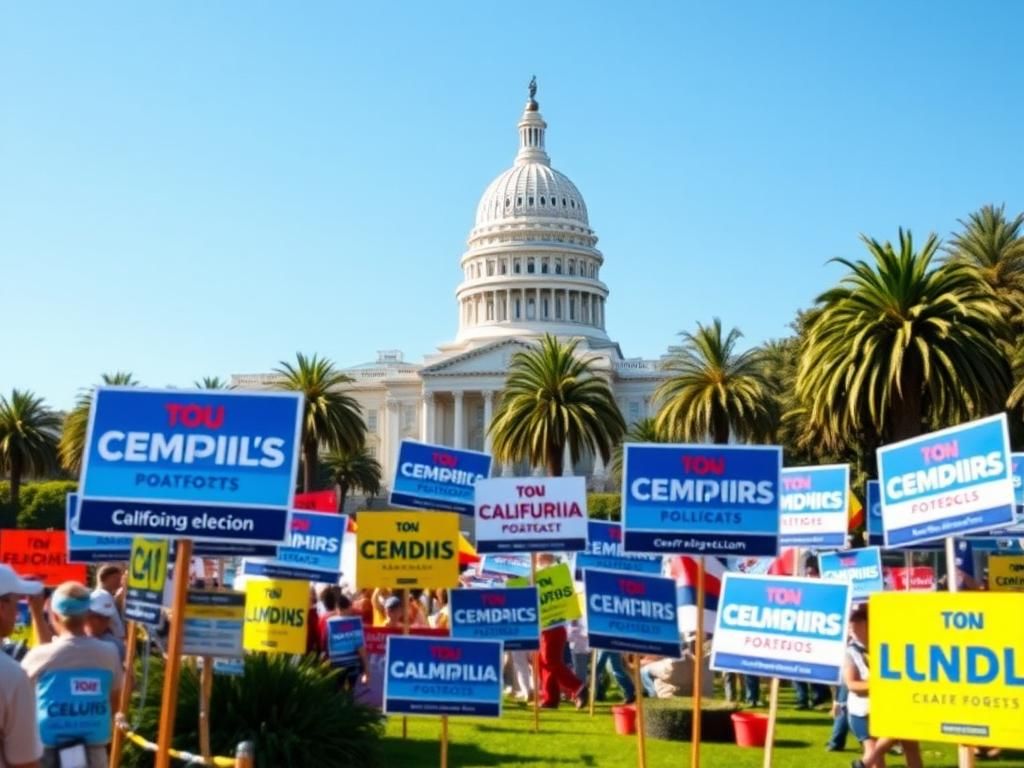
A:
815,504
861,568
510,615
514,565
344,641
73,705
782,627
701,499
443,676
632,612
199,465
437,477
947,483
604,551
313,552
876,532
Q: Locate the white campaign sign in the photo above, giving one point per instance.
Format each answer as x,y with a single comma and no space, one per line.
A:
531,514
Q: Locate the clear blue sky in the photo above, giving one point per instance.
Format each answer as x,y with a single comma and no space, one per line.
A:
195,188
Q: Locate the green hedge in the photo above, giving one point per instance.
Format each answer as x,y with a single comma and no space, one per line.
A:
42,504
604,506
672,719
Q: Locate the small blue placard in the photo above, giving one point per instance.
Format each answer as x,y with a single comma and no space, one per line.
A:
513,565
443,676
313,552
948,483
510,615
344,639
632,612
861,568
876,532
604,551
815,506
437,477
701,499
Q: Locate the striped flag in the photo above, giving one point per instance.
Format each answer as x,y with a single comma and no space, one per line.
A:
684,571
854,514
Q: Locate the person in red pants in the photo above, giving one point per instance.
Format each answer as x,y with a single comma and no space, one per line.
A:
555,675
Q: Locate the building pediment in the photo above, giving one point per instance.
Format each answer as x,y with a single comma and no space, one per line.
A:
485,360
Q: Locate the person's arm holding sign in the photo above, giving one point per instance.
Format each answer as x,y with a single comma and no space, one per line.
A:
40,625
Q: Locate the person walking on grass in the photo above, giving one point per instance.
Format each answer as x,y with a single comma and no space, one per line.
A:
555,675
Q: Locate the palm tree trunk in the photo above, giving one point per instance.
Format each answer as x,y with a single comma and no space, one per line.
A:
309,457
342,493
905,419
554,460
721,431
16,471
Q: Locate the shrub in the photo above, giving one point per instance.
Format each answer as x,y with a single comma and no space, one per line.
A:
604,506
43,504
673,719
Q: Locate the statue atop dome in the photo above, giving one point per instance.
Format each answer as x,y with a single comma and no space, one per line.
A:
532,87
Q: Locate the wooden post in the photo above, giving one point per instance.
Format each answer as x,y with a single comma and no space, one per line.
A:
965,754
593,679
773,713
124,704
172,671
536,656
405,631
245,755
641,736
698,668
205,691
444,741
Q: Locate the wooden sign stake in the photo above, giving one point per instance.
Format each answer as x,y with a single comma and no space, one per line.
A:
125,702
536,656
444,741
773,713
593,679
641,735
405,631
205,691
172,672
698,668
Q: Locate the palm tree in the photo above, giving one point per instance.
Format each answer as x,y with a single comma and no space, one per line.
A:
714,390
72,439
210,382
331,418
899,343
643,431
554,399
351,470
993,247
28,439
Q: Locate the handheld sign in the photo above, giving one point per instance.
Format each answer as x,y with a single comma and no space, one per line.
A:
147,577
408,550
1006,573
604,552
815,503
195,465
275,615
344,641
213,624
876,533
509,615
517,566
861,568
947,483
782,627
557,595
531,514
437,477
39,555
701,499
947,667
313,551
443,676
632,613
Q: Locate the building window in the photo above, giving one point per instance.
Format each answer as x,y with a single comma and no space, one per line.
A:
371,420
490,310
515,266
531,200
558,266
544,266
545,309
518,309
530,266
558,309
634,411
408,420
572,267
542,199
504,268
531,309
572,307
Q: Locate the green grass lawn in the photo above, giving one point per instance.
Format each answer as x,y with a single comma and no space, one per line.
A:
570,738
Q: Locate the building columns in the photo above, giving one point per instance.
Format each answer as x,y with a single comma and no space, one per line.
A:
393,433
488,415
428,417
459,438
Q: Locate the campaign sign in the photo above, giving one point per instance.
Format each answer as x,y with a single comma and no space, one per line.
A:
197,465
313,551
604,551
344,641
510,615
701,499
213,624
437,477
948,667
88,549
531,514
861,568
782,627
443,676
147,577
557,595
40,555
275,615
1006,573
815,505
408,550
876,531
918,577
947,483
631,612
506,565
74,705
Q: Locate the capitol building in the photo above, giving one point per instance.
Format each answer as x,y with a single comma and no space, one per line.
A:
531,267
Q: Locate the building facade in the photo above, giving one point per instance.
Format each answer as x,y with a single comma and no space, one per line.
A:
531,267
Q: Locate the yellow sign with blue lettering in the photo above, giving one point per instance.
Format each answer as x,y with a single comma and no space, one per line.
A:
408,550
275,615
947,667
1006,573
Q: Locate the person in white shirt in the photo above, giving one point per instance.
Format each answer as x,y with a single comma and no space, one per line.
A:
20,746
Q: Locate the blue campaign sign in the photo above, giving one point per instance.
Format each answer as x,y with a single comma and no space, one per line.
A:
443,676
947,483
815,506
313,551
344,640
74,705
201,465
510,615
605,552
88,548
514,565
782,627
876,532
632,612
437,477
861,568
701,499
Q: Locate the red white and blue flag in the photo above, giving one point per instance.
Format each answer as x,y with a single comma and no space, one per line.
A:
684,571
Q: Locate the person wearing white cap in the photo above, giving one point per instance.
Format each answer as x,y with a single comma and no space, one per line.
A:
19,734
98,623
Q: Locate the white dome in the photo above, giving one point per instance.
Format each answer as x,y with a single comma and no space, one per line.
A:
531,190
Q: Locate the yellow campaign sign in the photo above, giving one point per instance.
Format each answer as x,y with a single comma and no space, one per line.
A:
148,566
1006,573
557,595
275,615
947,667
408,550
